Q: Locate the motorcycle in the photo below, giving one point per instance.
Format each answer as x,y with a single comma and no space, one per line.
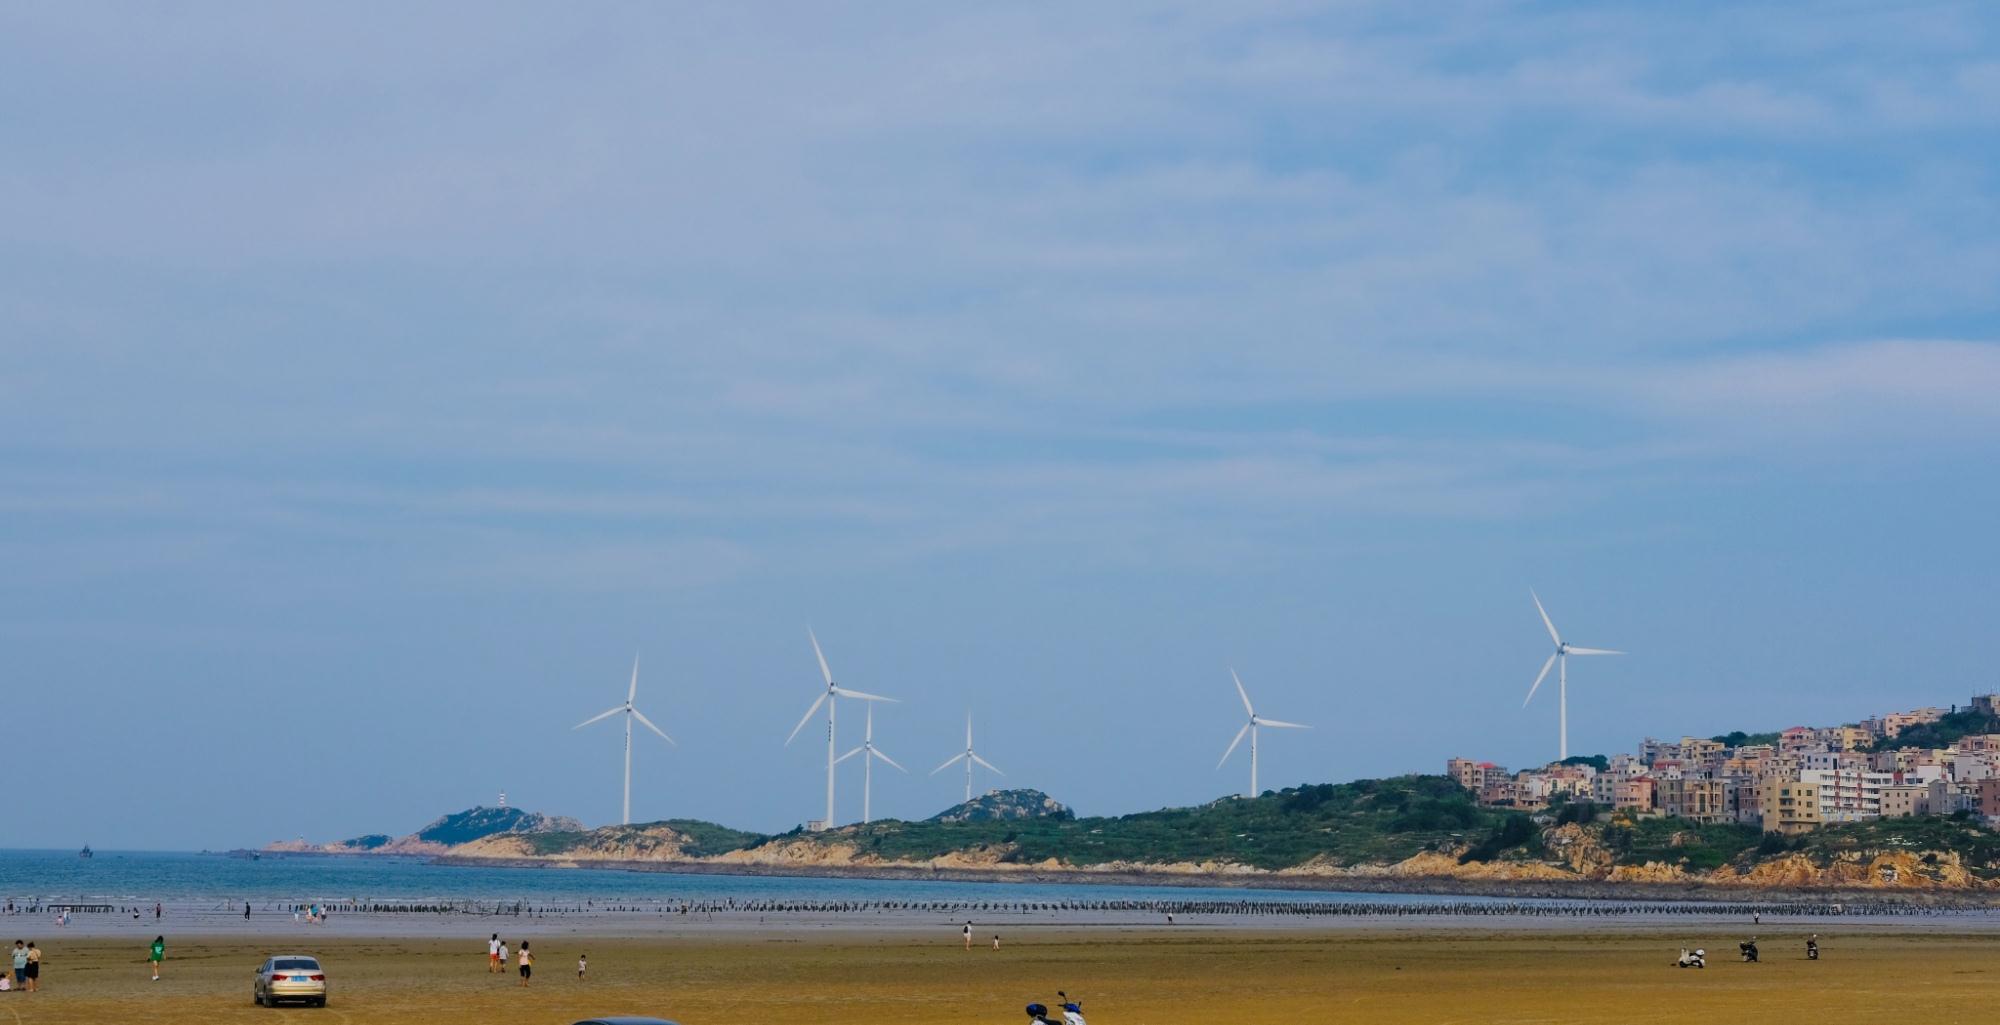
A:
1696,959
1812,949
1749,950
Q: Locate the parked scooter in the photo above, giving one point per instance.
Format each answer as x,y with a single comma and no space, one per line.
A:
1812,947
1749,949
1698,958
1072,1009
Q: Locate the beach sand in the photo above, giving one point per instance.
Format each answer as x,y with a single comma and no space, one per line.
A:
1124,976
1403,975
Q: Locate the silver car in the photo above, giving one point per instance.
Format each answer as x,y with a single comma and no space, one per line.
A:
290,977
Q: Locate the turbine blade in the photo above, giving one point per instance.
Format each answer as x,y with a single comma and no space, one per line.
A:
641,716
823,670
968,731
632,694
1594,651
600,715
1283,725
1545,616
878,753
1241,693
1539,677
984,762
858,696
818,701
848,755
1232,745
949,762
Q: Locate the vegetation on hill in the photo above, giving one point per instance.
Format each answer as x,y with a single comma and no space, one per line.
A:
481,821
1598,762
369,842
697,839
1945,732
1367,821
1738,738
1003,805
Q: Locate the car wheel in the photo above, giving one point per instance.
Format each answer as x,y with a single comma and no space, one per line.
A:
321,1002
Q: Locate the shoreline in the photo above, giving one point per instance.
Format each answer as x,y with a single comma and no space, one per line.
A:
1434,886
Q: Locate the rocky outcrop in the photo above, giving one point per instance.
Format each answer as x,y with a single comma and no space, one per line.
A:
1005,805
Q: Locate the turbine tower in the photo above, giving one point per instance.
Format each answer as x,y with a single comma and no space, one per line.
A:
969,757
1560,659
1251,728
631,713
828,697
869,752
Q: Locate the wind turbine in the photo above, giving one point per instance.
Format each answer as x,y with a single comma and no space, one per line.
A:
829,698
968,756
869,752
1564,650
631,713
1251,728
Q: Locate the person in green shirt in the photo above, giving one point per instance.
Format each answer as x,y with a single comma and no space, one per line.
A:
158,955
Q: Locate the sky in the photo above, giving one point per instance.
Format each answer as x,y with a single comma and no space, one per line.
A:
377,383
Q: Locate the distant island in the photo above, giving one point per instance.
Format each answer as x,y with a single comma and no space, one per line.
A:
1410,833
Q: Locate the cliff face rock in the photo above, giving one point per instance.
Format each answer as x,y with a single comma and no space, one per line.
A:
655,842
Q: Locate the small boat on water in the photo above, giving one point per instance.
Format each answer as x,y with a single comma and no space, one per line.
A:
85,853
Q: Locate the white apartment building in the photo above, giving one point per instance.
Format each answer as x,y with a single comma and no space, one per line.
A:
1847,795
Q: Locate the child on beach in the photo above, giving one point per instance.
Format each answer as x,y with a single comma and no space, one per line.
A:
157,955
582,965
34,967
493,955
527,963
503,956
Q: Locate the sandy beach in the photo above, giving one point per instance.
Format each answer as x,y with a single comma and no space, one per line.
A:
1124,975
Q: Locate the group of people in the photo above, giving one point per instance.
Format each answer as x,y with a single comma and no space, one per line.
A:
27,973
496,960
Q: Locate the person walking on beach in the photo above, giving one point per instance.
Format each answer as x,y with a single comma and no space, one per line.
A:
527,963
582,965
157,955
503,957
20,965
968,934
493,955
996,941
157,911
34,967
246,910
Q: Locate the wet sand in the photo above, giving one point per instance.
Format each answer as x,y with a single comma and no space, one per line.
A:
1125,976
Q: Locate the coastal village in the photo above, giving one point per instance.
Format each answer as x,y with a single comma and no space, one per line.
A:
1789,782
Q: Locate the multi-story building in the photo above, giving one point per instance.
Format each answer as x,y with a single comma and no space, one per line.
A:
1697,799
1846,795
1789,806
1849,738
1894,723
1635,795
1989,800
1800,739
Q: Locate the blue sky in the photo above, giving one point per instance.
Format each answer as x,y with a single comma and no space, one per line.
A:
372,388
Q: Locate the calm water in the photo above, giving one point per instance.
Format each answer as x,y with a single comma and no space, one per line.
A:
145,876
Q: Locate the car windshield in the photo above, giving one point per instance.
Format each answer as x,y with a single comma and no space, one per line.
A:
294,964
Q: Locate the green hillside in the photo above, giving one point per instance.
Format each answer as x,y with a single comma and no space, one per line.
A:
699,839
1347,823
473,823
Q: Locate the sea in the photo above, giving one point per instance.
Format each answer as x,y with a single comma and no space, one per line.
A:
145,877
